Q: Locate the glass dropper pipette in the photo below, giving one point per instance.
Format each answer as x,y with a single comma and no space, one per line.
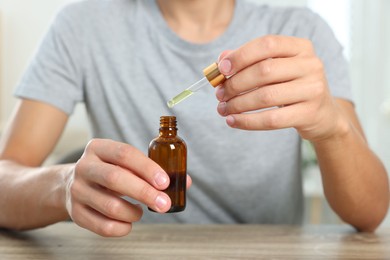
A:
212,77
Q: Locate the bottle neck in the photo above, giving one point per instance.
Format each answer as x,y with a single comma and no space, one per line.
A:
168,126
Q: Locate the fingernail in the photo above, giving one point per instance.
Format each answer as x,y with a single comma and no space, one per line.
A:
230,121
225,66
222,108
160,178
220,93
161,202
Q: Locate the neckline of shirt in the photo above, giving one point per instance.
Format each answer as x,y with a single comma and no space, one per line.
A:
169,35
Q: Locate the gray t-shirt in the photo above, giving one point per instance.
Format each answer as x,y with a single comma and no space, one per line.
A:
121,59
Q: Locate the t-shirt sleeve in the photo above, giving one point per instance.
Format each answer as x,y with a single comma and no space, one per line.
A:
331,52
54,75
304,23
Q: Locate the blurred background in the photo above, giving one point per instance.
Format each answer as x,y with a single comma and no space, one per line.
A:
363,28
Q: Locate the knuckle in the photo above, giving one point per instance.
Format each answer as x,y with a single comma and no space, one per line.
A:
123,152
269,42
304,47
243,54
232,87
107,229
271,121
318,65
318,89
147,194
267,98
232,107
307,45
246,124
92,145
243,122
265,67
112,207
110,178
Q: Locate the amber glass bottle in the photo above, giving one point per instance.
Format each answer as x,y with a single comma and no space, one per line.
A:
170,152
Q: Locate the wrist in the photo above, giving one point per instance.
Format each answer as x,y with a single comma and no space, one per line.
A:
61,191
338,126
338,132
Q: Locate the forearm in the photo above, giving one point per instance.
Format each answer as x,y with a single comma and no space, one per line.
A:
32,197
355,181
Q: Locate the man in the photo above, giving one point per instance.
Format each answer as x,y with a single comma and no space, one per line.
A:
125,59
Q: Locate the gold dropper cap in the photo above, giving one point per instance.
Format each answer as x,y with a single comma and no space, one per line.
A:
213,75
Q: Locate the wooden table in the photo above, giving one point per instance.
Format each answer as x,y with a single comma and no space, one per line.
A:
68,241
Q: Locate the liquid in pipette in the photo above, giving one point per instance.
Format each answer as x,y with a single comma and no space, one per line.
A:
177,99
188,92
213,77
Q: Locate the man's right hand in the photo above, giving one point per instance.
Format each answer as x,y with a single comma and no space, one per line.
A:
90,191
107,171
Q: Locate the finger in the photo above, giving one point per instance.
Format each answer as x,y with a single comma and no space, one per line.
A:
270,46
129,157
94,221
124,182
108,204
267,97
263,73
223,54
277,118
189,181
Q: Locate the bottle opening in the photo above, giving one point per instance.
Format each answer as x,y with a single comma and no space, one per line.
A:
168,121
